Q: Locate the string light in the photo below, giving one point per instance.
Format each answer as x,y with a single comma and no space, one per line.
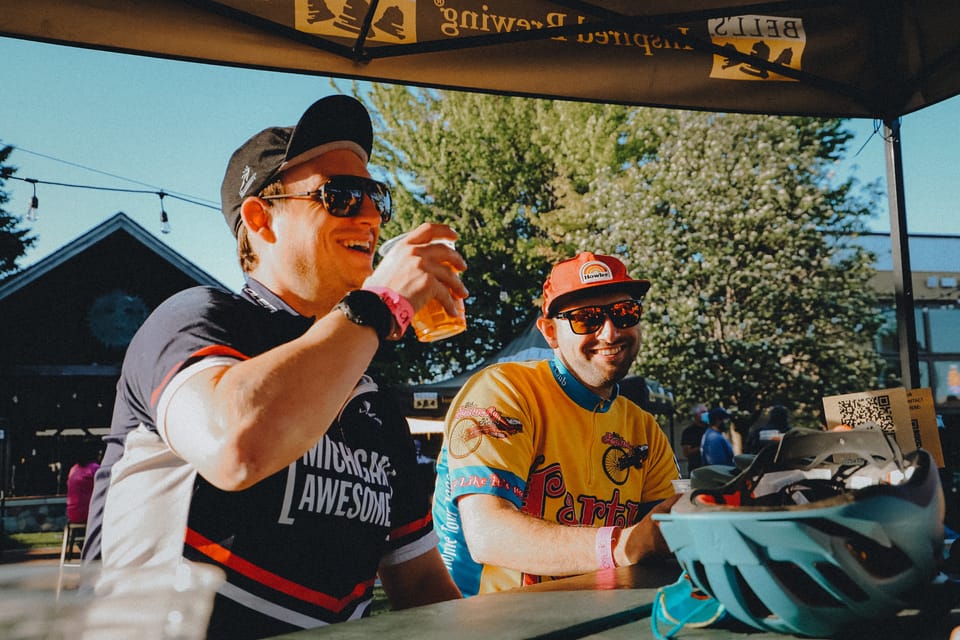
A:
32,212
164,220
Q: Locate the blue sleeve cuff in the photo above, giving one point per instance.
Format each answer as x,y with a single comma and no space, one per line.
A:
480,479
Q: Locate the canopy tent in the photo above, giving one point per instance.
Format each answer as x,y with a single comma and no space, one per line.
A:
878,59
854,58
432,400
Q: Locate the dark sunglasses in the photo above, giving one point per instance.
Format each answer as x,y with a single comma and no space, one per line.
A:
584,320
342,196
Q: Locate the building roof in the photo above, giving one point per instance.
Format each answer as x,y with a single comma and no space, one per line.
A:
119,222
67,319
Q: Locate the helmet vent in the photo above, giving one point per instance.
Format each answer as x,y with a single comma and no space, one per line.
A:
701,578
841,581
797,582
878,560
750,600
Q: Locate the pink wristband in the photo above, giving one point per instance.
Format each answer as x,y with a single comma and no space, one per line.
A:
400,309
605,547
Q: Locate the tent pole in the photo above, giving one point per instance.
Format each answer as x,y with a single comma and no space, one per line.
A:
900,250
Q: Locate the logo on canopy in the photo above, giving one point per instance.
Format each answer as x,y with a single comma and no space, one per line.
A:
774,40
394,21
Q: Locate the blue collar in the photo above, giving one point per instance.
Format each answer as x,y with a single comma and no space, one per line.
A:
579,393
259,294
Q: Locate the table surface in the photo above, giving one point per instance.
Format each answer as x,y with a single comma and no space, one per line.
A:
611,604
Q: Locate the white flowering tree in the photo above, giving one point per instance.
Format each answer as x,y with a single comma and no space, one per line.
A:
759,293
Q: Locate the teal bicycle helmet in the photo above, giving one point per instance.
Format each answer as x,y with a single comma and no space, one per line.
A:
826,530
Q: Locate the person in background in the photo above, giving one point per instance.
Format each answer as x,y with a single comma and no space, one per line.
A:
80,482
246,431
715,448
770,431
545,469
691,436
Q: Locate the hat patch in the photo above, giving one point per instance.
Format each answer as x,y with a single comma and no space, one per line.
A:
595,271
247,179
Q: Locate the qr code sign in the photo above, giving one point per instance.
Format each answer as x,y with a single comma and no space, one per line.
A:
886,408
877,409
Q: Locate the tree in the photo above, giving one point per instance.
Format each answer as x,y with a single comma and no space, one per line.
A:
492,167
14,242
759,291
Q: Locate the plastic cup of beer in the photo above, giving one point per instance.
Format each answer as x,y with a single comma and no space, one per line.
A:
432,322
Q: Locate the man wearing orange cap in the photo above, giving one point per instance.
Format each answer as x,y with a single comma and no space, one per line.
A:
546,470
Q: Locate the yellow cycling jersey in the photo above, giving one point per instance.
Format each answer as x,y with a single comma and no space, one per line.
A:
530,433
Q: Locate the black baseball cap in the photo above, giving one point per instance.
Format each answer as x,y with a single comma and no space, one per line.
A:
334,122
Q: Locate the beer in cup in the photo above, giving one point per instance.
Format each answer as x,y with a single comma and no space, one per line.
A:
432,322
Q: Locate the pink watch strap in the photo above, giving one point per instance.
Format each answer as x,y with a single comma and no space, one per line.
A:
400,308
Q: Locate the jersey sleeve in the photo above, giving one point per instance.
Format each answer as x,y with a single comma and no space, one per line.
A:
193,326
490,439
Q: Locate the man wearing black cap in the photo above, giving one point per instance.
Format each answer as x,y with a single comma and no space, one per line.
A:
532,446
246,433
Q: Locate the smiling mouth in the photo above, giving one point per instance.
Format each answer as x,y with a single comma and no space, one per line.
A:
360,246
609,351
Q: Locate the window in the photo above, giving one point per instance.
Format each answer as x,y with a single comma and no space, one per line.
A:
888,341
944,326
948,380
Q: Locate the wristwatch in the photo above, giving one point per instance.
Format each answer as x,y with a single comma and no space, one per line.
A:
367,309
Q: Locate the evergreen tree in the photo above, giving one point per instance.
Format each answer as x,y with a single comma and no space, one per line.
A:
759,292
14,241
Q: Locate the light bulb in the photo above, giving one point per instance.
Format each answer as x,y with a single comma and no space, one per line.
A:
164,220
32,213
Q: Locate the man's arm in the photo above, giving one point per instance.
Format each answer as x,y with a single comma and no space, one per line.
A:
708,450
421,580
239,424
497,533
242,423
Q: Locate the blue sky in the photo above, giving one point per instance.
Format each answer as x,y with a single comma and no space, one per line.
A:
151,124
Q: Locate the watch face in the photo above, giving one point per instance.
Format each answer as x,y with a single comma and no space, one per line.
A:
114,317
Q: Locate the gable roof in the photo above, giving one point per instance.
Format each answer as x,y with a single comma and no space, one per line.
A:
119,222
66,322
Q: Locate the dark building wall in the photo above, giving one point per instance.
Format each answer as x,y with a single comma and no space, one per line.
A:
65,323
